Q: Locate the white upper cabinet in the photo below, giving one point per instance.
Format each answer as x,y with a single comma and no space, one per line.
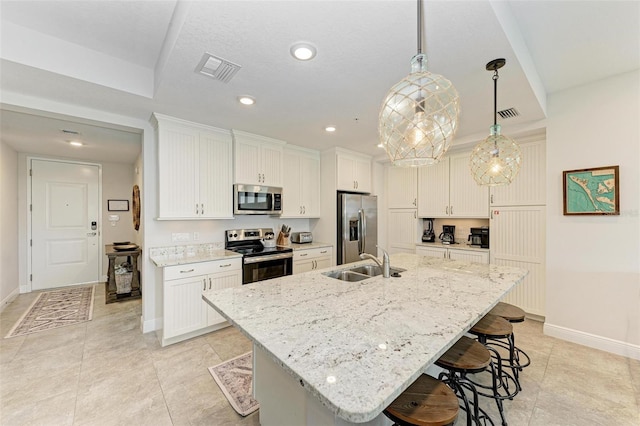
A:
353,171
301,189
194,170
447,189
402,187
257,159
529,187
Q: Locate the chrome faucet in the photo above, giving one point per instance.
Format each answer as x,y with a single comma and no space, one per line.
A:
385,264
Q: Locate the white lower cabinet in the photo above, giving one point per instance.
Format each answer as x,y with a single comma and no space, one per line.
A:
185,314
311,259
456,254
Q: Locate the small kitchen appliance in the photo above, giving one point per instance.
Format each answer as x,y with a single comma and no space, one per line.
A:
257,199
479,237
448,234
259,262
301,237
428,236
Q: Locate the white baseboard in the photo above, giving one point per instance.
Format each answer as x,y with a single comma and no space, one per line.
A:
151,325
617,347
10,298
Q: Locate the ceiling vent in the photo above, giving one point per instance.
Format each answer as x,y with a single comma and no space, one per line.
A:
508,113
218,68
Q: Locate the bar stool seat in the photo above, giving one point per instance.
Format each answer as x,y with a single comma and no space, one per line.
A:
509,312
427,402
468,356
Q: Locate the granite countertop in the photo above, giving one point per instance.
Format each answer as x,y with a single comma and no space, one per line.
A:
357,345
180,255
308,246
461,246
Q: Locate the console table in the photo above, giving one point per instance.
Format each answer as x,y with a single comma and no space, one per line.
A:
111,294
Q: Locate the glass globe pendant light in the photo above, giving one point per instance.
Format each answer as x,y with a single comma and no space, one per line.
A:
496,160
419,115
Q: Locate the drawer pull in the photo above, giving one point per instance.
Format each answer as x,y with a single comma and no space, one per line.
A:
204,286
186,272
209,283
323,252
225,265
303,254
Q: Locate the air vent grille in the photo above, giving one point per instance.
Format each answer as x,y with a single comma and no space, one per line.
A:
508,113
217,68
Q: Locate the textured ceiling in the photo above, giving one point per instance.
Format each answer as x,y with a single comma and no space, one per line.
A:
135,57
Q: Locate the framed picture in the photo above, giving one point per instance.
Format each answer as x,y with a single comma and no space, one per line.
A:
591,191
118,205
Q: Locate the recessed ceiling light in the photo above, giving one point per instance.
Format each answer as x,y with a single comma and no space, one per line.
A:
75,143
246,100
380,145
330,128
303,51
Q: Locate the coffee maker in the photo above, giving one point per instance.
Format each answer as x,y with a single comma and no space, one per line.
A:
428,236
448,234
479,237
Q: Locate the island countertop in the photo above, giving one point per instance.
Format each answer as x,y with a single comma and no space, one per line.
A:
357,345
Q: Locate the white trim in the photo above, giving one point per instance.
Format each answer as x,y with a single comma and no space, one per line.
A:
617,347
10,298
151,325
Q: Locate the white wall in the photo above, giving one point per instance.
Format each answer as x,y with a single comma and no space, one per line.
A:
117,184
9,285
593,262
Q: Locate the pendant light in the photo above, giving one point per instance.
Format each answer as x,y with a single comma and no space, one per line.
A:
419,115
496,160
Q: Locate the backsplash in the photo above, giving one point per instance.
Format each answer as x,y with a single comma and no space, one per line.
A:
191,250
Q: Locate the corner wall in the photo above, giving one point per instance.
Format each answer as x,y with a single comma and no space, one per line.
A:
9,282
593,262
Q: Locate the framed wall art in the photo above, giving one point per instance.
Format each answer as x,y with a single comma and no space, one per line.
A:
593,191
118,205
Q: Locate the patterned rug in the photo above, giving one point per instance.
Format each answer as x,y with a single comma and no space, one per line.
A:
234,378
57,308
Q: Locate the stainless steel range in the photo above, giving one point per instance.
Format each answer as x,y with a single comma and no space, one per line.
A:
259,261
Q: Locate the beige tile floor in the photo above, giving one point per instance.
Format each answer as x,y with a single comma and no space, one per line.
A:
105,372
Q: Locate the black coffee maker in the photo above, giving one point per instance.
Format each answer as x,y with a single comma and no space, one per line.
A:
448,234
479,237
428,236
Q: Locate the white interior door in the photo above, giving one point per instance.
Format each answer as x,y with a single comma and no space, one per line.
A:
65,230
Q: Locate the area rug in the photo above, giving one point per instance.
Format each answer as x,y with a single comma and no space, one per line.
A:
234,378
57,308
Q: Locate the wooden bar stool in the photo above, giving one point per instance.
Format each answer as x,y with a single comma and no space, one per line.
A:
468,356
427,402
494,331
513,314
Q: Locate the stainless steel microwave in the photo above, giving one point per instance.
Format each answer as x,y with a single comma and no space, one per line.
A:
257,199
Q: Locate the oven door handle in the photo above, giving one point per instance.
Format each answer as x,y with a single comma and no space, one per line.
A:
258,259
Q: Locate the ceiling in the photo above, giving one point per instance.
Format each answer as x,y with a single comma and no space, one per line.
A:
132,58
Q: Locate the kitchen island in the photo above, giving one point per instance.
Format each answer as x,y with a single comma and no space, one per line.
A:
334,352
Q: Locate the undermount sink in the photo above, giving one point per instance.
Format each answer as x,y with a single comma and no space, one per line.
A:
359,273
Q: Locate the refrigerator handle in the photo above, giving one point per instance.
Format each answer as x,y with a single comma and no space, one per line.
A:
363,231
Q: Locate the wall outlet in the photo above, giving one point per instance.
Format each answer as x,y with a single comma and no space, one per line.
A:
179,237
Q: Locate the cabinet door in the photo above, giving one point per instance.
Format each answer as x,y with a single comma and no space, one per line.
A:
229,279
300,266
362,174
292,190
310,186
184,310
431,251
469,256
323,262
433,190
529,187
345,173
271,165
466,197
403,230
177,171
216,191
247,162
517,238
402,187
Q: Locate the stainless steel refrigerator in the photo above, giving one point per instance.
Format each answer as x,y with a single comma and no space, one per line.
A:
357,226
